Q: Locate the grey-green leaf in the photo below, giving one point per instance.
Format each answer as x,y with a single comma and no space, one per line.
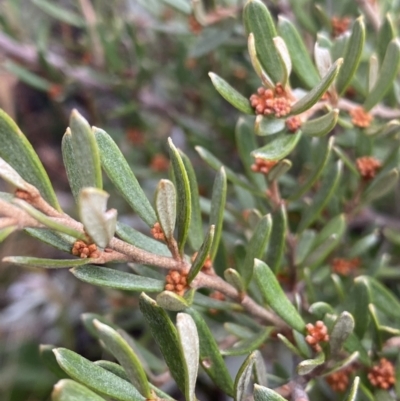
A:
328,188
343,327
121,175
256,247
184,202
387,33
166,207
387,74
307,366
258,20
14,149
69,390
218,200
249,344
321,126
352,396
275,297
166,336
99,222
352,55
234,278
243,377
265,126
230,94
110,278
380,186
171,301
95,377
276,246
125,355
46,263
312,97
301,60
265,394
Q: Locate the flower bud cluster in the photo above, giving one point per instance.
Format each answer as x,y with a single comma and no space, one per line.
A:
176,282
271,102
84,250
316,334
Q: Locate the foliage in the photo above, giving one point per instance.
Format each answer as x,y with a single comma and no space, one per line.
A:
290,254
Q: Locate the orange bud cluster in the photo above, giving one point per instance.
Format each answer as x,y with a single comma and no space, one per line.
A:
263,166
339,381
157,232
360,117
345,266
293,123
84,250
368,166
339,25
176,282
25,195
271,102
316,334
194,25
382,375
159,163
135,136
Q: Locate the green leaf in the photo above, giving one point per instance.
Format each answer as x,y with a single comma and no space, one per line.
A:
343,327
256,247
8,174
136,238
321,126
166,336
243,377
125,355
312,97
5,232
196,235
279,147
258,20
266,394
343,363
201,256
346,160
171,301
218,200
276,246
301,60
328,188
166,208
381,185
387,75
184,203
249,344
304,246
69,390
60,13
361,299
387,33
275,297
14,149
352,55
46,263
230,94
265,126
49,360
280,169
307,366
105,277
95,377
352,396
289,345
189,341
99,222
210,357
284,56
180,5
363,245
119,172
260,371
58,240
234,278
81,155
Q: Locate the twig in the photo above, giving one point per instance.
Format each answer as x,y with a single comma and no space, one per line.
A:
371,12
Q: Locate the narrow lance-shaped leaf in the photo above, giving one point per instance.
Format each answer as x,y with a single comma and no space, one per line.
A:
81,155
256,247
210,356
387,74
387,33
10,175
280,169
166,208
381,185
328,188
373,72
189,341
352,55
258,20
312,97
322,125
48,358
196,235
171,301
60,13
266,394
307,366
361,300
278,147
230,94
58,240
95,377
14,149
343,327
121,175
284,55
304,246
99,222
125,355
110,278
276,246
251,47
202,255
318,170
68,390
249,344
275,297
234,278
165,335
243,377
184,202
352,396
265,126
301,61
46,263
218,201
